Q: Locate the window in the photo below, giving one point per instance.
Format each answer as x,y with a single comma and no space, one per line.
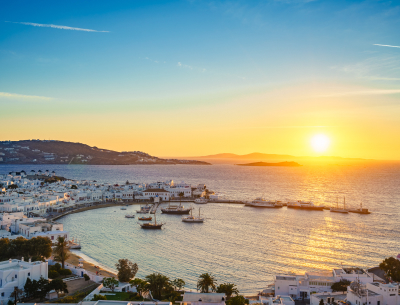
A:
378,303
16,275
29,274
2,294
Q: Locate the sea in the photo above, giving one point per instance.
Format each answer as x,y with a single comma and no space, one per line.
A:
243,245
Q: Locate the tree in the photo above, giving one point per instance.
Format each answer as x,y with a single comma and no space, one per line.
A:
157,284
43,288
205,282
321,302
237,300
74,187
16,294
61,251
39,248
178,284
126,270
111,283
228,289
340,286
58,285
181,195
391,266
86,277
140,285
12,187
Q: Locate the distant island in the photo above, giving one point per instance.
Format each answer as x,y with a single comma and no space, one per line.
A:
59,152
286,163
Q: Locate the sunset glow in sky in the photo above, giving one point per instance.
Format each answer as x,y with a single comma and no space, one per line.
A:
192,78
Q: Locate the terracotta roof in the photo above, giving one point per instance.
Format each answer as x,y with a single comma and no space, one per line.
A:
155,191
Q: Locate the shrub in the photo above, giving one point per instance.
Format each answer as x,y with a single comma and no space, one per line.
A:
65,272
53,274
97,297
86,277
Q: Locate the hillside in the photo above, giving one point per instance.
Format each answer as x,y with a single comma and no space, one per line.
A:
289,164
59,152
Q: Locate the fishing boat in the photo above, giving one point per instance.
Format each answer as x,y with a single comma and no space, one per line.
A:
360,210
304,205
144,209
130,216
340,210
193,219
201,200
152,226
175,210
145,218
123,208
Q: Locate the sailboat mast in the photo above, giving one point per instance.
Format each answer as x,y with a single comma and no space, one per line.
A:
344,202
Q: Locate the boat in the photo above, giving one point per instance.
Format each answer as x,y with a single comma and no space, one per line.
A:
144,209
201,200
175,210
193,219
304,205
340,210
152,226
123,208
262,203
130,216
145,218
360,210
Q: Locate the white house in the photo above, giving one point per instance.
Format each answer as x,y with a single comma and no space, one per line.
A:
15,273
327,298
162,194
192,298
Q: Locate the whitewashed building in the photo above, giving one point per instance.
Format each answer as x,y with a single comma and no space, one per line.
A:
15,273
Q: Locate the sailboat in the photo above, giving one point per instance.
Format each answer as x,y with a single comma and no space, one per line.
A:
339,210
152,226
193,219
175,209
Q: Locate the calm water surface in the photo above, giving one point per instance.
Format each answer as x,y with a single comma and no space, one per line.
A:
240,244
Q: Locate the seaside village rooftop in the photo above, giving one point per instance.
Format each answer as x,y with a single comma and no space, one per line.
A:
29,203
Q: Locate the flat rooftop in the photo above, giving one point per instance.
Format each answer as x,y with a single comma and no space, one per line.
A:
285,277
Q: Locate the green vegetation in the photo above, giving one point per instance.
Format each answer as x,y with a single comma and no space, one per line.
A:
391,266
158,284
237,300
228,289
340,286
118,296
37,248
98,297
74,187
126,270
140,285
12,187
206,283
76,298
56,271
178,284
111,283
321,302
38,289
86,277
61,251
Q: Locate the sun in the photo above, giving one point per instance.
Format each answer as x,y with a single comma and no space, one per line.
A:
320,143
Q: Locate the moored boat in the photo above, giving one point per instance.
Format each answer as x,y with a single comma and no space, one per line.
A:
262,203
340,210
304,205
152,226
201,200
145,218
175,210
144,210
193,219
130,216
360,210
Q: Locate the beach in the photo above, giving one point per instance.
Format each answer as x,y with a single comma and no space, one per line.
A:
74,260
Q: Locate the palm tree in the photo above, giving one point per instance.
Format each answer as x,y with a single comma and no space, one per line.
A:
228,289
157,283
140,285
61,251
205,282
181,195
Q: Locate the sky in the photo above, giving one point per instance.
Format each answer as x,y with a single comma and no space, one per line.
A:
192,78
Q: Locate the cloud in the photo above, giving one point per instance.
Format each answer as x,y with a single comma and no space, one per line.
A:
61,27
363,92
386,45
22,96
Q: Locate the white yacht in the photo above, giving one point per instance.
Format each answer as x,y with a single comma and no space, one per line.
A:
130,216
144,210
262,203
304,205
